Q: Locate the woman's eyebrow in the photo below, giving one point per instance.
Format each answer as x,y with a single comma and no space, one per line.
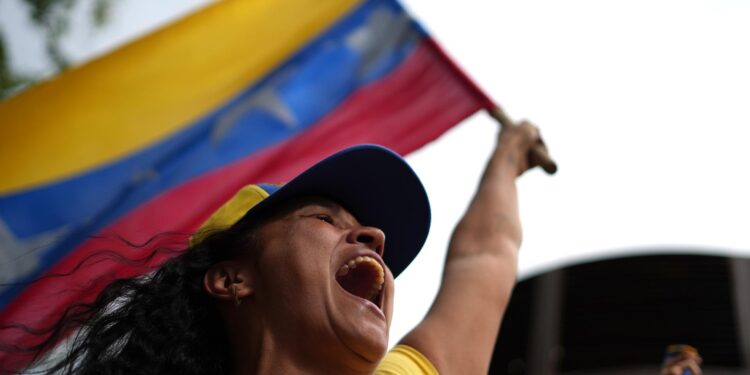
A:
335,208
325,203
314,208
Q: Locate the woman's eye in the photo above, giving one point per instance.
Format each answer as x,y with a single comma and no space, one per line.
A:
325,218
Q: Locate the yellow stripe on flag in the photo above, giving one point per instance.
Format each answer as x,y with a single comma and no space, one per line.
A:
151,88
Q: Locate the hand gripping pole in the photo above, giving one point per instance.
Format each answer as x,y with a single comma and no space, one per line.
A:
538,155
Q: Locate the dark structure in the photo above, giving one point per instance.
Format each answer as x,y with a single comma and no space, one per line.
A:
617,316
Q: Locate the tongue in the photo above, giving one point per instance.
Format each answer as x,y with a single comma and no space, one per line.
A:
359,281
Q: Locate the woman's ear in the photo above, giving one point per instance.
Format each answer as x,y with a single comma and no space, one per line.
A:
229,281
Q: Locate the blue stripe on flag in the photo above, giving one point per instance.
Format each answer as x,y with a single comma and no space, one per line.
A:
365,46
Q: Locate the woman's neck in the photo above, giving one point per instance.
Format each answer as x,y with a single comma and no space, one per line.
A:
258,351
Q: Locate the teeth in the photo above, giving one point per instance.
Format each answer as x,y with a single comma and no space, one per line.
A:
352,264
343,270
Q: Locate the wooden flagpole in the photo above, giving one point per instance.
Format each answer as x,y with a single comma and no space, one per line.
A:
538,154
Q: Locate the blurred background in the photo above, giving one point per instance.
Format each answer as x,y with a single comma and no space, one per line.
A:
639,241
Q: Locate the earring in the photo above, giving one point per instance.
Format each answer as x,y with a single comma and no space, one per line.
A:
237,300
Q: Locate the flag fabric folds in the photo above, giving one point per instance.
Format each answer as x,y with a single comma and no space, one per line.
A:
154,136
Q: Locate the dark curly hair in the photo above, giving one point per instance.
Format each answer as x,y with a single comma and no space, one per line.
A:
159,323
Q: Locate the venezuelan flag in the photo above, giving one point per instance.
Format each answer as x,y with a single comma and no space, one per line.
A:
154,136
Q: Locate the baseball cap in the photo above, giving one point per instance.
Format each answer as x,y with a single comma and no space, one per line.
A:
372,182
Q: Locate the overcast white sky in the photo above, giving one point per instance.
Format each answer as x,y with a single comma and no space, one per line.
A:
645,104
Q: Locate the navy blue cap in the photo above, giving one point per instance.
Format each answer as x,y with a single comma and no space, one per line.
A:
377,186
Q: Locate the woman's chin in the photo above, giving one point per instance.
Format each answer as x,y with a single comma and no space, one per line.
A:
366,340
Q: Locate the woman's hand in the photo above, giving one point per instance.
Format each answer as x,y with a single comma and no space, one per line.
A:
679,364
516,143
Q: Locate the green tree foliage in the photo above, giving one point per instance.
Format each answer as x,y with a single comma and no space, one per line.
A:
52,17
10,83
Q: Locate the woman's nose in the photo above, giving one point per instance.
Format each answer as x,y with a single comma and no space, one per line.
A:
371,237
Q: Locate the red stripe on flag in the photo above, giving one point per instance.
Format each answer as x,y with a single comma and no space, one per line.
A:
415,104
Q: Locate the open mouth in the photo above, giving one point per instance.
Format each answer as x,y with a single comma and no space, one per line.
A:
363,277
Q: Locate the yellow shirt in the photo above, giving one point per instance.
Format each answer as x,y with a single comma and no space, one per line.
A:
405,360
